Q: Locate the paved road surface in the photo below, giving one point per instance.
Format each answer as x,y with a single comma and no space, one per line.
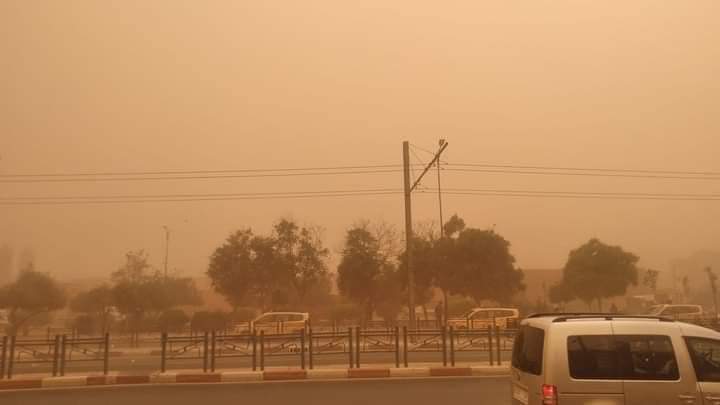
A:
433,391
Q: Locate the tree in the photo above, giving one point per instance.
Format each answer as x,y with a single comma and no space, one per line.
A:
391,297
712,278
136,268
482,266
173,320
650,279
232,267
285,268
446,274
459,305
595,271
560,294
140,291
6,264
85,324
425,266
97,304
361,268
31,295
686,288
206,321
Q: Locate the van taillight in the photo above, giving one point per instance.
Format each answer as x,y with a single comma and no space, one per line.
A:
549,395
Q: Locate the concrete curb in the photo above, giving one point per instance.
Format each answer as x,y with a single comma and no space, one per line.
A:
253,376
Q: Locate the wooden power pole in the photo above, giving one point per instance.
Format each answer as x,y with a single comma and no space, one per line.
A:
408,221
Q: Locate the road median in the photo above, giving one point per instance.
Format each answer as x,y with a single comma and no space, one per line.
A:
253,376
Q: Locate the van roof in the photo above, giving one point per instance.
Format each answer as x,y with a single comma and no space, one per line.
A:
545,321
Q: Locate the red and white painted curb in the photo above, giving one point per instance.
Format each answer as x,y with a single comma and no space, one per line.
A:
252,376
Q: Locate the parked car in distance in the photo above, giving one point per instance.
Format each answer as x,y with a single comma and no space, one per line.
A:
684,312
481,318
575,359
280,322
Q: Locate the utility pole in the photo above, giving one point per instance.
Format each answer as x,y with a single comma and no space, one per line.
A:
442,230
408,220
167,249
442,233
409,234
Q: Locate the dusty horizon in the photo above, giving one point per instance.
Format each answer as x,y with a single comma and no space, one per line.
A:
157,86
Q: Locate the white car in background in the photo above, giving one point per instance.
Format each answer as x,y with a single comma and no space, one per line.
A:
684,312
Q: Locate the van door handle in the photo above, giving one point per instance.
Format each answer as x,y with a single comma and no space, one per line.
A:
712,398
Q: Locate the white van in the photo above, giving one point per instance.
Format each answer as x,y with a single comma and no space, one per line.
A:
591,359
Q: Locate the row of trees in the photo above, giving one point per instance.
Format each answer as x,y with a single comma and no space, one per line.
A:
140,294
287,269
137,293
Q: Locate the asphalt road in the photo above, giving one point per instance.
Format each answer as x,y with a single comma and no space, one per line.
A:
431,391
144,364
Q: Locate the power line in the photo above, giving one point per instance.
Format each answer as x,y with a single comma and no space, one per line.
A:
193,177
195,199
583,196
188,172
587,169
551,173
345,194
196,195
598,193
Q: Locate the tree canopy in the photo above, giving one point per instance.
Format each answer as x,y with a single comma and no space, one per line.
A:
595,271
139,290
285,267
32,294
365,274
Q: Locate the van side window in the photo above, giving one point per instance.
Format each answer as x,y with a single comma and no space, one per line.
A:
646,357
528,350
622,357
592,357
705,355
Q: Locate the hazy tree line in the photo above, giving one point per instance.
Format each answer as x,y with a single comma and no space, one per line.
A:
288,269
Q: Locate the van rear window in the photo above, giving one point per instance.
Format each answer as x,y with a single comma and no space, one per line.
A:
528,350
622,357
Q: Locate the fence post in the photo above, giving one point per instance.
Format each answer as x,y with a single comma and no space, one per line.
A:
497,343
163,351
62,354
397,346
310,347
213,344
56,354
405,345
452,347
358,336
3,356
205,352
350,347
444,345
302,349
262,350
253,340
490,345
106,354
11,358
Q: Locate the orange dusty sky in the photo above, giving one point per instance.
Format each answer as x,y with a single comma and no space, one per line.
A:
98,86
